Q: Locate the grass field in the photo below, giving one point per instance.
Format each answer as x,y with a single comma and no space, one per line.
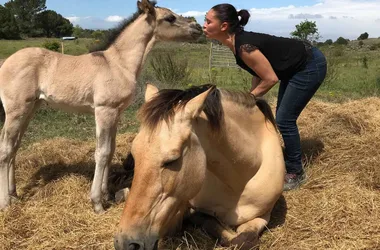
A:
337,208
353,74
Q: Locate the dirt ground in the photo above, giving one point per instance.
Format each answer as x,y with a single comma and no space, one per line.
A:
337,208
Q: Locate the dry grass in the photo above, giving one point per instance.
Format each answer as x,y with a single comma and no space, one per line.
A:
337,208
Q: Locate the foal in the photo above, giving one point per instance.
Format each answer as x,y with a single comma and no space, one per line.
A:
102,83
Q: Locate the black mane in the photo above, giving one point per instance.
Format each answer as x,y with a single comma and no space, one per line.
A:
114,33
162,106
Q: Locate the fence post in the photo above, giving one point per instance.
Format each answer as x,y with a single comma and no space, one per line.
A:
210,63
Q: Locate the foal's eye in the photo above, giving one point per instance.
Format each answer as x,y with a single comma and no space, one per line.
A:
170,19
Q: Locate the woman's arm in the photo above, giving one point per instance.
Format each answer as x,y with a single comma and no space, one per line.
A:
255,81
260,64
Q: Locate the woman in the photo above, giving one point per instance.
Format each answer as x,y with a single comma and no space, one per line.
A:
300,67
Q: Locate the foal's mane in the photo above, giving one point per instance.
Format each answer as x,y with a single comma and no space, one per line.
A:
114,33
162,106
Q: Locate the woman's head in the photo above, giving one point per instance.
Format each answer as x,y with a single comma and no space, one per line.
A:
224,18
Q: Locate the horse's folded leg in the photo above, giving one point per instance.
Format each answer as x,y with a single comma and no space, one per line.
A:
121,195
246,241
248,233
213,227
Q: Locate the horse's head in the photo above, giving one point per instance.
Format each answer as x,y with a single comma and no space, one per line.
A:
170,167
169,25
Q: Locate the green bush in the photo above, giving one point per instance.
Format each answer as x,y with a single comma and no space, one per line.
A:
51,45
365,62
170,70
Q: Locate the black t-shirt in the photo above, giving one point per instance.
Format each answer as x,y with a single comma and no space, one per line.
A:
287,56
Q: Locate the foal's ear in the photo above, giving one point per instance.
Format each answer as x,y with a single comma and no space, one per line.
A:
150,92
145,6
195,106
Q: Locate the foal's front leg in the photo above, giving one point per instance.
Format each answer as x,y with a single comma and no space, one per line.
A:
106,122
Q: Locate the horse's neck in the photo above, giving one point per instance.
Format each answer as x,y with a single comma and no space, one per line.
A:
133,44
237,143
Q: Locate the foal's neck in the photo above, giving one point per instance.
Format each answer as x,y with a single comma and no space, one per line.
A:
131,47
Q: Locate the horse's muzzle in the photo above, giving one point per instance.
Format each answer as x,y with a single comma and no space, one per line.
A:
122,242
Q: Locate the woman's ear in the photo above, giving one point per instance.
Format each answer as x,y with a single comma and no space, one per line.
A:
224,26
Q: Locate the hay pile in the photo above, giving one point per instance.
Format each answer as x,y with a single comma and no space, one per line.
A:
338,207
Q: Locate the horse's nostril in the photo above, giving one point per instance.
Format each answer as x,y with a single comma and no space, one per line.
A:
134,246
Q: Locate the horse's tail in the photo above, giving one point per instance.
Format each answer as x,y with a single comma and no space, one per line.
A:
267,111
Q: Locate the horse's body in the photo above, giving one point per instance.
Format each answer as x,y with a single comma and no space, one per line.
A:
215,151
102,83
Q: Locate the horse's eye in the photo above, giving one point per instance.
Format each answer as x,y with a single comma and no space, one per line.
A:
169,163
170,19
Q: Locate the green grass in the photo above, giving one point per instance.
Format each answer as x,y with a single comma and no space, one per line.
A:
76,47
348,79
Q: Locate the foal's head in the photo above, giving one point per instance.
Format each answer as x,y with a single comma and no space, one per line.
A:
170,167
169,25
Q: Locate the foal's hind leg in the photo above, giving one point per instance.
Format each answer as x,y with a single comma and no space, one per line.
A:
106,122
16,122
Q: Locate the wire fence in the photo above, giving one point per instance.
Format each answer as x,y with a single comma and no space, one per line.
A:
221,57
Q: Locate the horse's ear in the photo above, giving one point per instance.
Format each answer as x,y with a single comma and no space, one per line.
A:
145,7
195,106
150,92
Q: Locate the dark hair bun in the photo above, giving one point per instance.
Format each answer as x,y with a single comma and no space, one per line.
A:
244,14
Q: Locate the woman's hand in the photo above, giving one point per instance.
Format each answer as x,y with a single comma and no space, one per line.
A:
260,64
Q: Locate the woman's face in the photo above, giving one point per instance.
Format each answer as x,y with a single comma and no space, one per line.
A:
212,27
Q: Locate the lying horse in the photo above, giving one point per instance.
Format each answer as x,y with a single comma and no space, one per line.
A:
212,150
102,83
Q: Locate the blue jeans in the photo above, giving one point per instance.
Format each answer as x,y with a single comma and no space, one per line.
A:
293,95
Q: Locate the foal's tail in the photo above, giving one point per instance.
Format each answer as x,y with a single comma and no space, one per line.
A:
267,111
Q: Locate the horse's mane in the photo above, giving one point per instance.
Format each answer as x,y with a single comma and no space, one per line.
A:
162,106
114,33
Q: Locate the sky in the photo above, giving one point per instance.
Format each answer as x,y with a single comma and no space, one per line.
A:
334,18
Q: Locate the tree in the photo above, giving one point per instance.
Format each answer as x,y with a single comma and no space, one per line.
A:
25,12
8,25
329,42
306,30
53,24
342,41
98,35
363,36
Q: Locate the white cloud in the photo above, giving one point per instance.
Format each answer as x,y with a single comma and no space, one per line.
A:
194,13
305,16
334,18
73,19
114,19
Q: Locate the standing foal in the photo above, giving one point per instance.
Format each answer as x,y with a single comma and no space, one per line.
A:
102,83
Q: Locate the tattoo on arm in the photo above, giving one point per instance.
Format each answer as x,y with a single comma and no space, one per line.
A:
248,48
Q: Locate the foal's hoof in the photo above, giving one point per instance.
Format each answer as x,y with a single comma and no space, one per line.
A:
14,198
246,241
121,195
98,208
